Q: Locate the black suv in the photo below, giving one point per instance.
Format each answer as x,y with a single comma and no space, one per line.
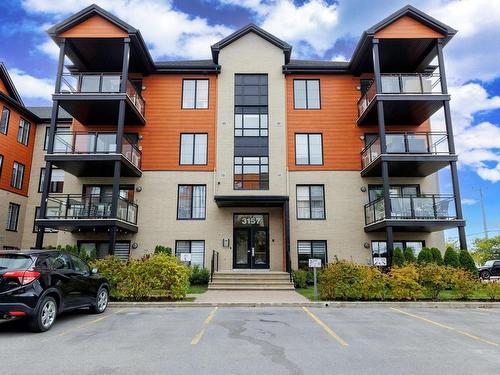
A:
490,268
40,284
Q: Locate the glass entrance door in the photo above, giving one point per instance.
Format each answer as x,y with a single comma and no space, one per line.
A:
251,241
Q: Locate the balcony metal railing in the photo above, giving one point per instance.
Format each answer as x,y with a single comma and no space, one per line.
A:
67,142
76,206
408,83
433,143
412,207
99,83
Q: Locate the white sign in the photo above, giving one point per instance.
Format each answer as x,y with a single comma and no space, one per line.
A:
380,261
185,257
315,263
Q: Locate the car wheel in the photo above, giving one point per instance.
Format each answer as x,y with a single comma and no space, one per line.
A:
485,275
101,301
45,315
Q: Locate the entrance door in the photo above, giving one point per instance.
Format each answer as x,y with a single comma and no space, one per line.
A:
251,241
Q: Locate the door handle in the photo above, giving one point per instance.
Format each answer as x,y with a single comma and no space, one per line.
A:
253,251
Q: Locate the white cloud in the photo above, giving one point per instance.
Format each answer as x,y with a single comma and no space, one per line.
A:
31,87
468,201
339,57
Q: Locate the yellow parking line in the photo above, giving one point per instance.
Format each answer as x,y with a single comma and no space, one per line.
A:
325,327
196,339
447,327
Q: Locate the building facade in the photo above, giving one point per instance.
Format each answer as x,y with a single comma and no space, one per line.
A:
265,160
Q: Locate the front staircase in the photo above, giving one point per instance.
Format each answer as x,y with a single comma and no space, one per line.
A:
250,280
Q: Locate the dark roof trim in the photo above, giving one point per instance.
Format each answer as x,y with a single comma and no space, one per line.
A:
20,108
189,66
287,49
11,88
45,114
316,66
250,200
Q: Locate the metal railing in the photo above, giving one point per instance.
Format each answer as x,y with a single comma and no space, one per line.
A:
99,83
92,206
67,142
407,83
433,143
412,207
214,264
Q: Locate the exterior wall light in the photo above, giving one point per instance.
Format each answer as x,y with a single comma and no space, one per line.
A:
366,245
363,189
138,188
135,245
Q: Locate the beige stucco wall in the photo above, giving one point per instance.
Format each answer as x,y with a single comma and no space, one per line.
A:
11,238
251,54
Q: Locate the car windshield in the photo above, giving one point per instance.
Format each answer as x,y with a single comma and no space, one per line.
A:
488,263
14,261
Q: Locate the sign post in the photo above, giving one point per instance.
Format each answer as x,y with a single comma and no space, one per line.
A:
315,263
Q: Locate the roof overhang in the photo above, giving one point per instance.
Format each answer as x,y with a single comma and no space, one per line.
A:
250,200
11,88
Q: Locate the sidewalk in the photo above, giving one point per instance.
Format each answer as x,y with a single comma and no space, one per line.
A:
251,296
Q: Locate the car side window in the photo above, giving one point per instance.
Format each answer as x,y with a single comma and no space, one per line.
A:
79,265
59,262
496,264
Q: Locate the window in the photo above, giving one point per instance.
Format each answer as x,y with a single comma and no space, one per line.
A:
23,132
35,227
17,175
63,133
191,202
306,94
251,172
1,164
4,120
310,202
195,248
251,123
377,191
79,265
311,250
308,149
195,93
194,148
379,248
59,262
12,217
56,181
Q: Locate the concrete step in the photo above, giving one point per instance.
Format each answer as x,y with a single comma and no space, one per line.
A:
243,278
251,280
251,287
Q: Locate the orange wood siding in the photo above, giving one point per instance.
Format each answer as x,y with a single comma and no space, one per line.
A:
95,27
166,120
336,120
3,88
12,151
407,28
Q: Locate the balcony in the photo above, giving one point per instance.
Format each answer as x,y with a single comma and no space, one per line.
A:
408,154
93,154
409,99
413,213
74,212
94,99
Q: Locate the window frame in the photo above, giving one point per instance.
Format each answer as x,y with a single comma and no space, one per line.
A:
307,94
42,174
5,108
311,255
194,149
242,180
14,176
309,149
191,249
47,230
259,129
196,92
192,202
404,242
372,187
8,226
310,206
22,141
1,163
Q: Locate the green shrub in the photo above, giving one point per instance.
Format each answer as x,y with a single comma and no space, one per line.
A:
82,253
375,284
464,282
398,258
160,249
341,280
425,256
451,257
492,290
434,278
404,283
409,255
199,276
465,260
300,278
112,269
437,257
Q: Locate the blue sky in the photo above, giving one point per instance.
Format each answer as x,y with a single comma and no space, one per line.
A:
317,29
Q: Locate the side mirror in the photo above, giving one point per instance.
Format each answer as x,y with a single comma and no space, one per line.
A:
93,271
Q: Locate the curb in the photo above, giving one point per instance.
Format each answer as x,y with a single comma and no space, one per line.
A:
326,304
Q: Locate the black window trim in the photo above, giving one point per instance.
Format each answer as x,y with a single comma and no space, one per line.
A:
191,248
2,159
47,230
380,186
21,119
242,180
311,255
17,217
22,176
192,201
310,208
194,150
307,94
404,242
195,93
309,149
8,120
40,187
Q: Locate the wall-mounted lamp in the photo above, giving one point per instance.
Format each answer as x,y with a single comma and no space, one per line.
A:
366,245
135,245
363,189
138,188
143,88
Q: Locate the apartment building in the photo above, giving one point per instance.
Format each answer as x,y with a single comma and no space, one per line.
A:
252,157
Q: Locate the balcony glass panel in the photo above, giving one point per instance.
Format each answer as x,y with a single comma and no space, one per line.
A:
90,83
390,84
395,143
417,143
110,83
105,143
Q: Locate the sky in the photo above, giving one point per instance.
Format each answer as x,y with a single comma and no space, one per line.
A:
317,29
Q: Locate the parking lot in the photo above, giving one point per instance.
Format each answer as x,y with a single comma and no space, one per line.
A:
230,340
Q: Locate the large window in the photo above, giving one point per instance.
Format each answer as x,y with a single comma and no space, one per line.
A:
311,202
252,122
377,191
4,120
311,250
35,227
17,175
23,132
195,93
379,248
1,164
56,181
306,94
12,217
195,248
251,173
193,148
308,149
191,202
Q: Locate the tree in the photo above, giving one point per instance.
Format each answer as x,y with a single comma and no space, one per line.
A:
398,258
436,256
425,256
451,257
466,261
409,255
486,249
